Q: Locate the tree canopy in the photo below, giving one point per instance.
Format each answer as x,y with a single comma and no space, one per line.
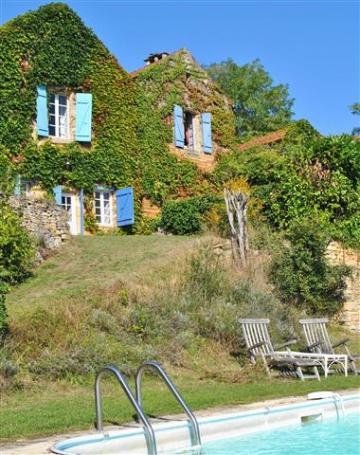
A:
259,105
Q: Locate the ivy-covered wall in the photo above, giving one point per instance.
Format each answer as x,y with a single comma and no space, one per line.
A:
130,143
51,46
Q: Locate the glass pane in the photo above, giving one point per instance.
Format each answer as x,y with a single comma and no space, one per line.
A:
52,130
52,108
62,100
62,111
52,120
98,218
52,98
98,211
97,195
106,196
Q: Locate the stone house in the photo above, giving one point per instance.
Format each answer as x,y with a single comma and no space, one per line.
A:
80,105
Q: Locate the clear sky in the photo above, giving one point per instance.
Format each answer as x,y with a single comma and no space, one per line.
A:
313,46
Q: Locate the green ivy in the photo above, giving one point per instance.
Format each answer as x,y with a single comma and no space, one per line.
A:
51,46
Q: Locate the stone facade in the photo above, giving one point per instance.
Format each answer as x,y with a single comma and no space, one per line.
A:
338,255
46,222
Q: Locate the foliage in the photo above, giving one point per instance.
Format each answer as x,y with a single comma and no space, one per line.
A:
259,105
355,109
130,138
306,176
16,255
185,216
302,275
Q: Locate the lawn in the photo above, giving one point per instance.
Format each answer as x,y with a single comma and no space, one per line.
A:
61,408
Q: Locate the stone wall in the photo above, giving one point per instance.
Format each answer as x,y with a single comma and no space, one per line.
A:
338,255
46,222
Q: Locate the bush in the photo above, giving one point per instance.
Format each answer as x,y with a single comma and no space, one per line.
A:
302,275
16,254
186,216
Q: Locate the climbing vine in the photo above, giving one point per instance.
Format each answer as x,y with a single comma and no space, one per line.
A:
51,46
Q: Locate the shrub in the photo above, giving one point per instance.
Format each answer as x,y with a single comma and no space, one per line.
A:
16,254
302,275
186,216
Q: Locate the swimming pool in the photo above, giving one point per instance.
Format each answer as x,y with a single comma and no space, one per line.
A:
331,436
323,426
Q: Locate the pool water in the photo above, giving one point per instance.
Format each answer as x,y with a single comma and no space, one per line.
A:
328,437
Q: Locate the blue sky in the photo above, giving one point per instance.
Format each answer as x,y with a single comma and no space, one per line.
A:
313,46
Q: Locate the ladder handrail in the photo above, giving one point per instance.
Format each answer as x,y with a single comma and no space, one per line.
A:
148,430
152,364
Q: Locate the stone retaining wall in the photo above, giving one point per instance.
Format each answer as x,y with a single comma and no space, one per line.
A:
338,255
46,222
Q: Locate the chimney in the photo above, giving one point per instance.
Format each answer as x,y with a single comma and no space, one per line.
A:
153,58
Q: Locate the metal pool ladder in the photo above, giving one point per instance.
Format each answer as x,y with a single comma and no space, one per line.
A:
136,402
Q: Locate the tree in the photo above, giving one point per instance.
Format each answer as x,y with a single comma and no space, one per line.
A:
355,109
259,105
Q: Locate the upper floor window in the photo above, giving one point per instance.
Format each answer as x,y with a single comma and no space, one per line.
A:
64,117
59,116
192,131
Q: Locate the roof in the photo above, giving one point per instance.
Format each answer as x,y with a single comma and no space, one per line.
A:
143,68
270,138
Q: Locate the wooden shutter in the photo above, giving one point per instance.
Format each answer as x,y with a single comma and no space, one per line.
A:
57,194
125,206
83,117
42,120
206,132
179,126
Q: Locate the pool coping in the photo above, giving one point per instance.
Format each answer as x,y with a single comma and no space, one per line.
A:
41,446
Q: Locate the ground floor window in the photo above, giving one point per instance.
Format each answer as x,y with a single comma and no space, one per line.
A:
103,210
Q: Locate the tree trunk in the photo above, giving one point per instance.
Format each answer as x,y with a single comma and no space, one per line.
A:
236,208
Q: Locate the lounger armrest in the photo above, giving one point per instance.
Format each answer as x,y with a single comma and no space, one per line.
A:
285,345
341,342
312,346
257,345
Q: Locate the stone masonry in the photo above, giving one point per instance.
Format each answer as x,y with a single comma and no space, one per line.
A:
338,255
46,222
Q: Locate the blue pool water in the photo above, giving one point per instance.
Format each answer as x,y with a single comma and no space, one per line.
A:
328,437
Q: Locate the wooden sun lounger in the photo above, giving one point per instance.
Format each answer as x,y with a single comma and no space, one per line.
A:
318,340
258,344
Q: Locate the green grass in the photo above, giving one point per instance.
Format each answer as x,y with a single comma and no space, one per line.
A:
90,263
73,311
54,409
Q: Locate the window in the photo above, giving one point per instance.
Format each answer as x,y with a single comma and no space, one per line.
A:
59,116
189,128
25,187
103,212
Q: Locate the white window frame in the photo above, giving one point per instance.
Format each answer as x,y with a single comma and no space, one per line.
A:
57,117
70,209
103,215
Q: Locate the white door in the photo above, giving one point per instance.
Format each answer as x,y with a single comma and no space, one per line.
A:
68,204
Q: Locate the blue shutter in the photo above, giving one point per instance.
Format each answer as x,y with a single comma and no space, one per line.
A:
57,194
179,126
17,188
82,212
83,117
206,132
125,206
42,121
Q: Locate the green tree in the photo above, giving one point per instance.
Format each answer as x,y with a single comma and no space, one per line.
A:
259,105
355,109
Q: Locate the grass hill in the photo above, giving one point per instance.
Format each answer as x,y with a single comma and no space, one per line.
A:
124,299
